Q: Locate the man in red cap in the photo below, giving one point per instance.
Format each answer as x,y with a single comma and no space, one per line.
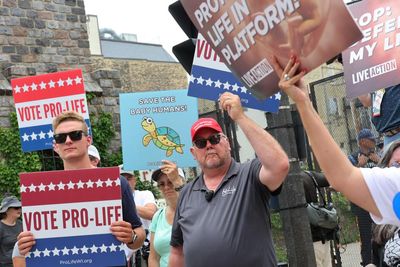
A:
222,218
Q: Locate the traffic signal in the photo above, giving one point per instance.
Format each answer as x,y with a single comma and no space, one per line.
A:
184,51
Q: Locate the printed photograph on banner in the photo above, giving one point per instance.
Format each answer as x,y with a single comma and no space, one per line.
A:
247,34
210,78
373,62
38,99
156,126
70,213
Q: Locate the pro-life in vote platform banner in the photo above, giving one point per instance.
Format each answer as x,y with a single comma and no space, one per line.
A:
38,99
210,78
156,126
246,34
373,63
70,213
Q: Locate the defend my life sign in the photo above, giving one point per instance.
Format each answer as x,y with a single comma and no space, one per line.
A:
38,99
70,213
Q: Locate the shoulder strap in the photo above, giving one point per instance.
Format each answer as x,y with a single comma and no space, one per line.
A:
317,188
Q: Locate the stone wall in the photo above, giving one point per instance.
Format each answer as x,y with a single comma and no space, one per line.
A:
46,36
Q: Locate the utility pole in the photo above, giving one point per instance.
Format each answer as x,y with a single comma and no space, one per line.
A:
292,201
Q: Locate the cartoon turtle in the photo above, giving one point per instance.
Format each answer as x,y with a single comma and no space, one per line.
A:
163,137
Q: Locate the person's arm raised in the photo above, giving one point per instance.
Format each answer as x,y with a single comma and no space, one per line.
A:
341,174
275,163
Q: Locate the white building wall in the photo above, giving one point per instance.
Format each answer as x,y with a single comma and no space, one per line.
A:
246,151
93,35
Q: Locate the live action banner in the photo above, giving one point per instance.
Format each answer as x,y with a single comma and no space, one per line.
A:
372,63
70,213
246,34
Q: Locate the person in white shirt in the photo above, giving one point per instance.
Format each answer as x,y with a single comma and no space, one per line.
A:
376,190
145,206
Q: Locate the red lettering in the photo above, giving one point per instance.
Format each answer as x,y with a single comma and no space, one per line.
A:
27,219
53,219
200,47
52,109
65,217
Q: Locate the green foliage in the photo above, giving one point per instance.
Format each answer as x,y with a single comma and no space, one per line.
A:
12,160
103,131
347,220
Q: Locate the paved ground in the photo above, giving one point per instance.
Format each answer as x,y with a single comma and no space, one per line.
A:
351,255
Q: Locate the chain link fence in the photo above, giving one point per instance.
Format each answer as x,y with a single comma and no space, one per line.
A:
344,118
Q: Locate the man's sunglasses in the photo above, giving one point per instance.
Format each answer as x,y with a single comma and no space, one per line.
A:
202,142
74,136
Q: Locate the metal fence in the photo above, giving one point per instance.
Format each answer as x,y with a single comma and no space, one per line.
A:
344,118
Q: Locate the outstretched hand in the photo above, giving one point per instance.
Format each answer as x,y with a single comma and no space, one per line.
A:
290,82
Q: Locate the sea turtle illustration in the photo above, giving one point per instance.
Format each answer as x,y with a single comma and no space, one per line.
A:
163,137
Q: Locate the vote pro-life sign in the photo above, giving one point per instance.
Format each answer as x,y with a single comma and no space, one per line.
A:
210,78
373,63
38,99
70,213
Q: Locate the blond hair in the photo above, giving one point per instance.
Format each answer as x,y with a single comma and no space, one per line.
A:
70,116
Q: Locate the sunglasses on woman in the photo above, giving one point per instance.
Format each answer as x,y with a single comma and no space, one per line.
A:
202,142
74,136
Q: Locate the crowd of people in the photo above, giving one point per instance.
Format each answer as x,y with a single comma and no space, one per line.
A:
223,213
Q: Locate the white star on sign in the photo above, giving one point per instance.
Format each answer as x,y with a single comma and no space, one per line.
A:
235,87
51,84
209,82
42,85
69,81
113,247
36,253
22,189
42,135
34,86
200,80
32,188
65,251
51,186
17,89
117,182
61,186
75,250
84,250
50,133
56,251
46,253
25,88
71,185
25,137
78,80
243,89
226,86
278,96
108,182
94,249
34,136
42,187
192,79
218,84
80,184
99,183
103,248
28,255
60,83
89,184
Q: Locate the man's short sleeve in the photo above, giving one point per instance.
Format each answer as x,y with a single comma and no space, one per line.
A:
148,197
176,232
129,213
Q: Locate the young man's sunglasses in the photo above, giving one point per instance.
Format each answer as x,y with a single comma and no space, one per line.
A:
202,142
74,136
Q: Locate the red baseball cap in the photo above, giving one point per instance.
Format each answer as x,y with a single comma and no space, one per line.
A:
204,123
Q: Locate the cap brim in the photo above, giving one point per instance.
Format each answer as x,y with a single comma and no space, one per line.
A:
156,175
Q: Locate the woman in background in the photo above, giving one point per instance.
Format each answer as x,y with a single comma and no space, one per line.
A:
10,227
169,180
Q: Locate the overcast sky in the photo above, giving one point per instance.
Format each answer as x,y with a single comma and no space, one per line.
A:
149,19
